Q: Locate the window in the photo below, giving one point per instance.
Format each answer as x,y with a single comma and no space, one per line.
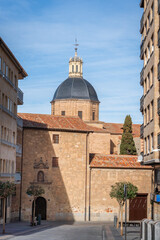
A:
55,138
80,114
76,68
93,115
148,48
4,68
0,165
0,63
40,176
148,108
54,161
145,146
73,68
152,110
152,142
157,176
145,58
63,113
148,140
145,117
13,138
152,42
152,76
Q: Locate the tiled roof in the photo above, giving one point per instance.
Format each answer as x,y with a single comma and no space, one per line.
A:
46,121
115,161
117,128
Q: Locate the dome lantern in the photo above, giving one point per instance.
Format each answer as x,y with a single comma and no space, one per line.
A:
75,64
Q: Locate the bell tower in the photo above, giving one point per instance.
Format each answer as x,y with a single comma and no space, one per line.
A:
75,64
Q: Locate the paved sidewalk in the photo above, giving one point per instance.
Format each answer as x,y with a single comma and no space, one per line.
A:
20,228
105,230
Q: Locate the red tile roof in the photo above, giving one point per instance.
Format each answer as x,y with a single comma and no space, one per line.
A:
117,128
46,121
115,161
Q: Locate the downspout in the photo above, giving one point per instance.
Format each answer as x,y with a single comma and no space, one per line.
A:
89,210
20,205
85,210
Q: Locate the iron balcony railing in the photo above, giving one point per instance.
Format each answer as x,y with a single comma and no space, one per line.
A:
158,106
142,24
141,103
141,130
142,77
142,50
141,4
20,97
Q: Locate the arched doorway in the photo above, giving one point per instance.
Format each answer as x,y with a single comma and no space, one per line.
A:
41,207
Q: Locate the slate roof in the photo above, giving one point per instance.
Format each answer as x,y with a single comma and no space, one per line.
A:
75,88
117,128
115,161
46,121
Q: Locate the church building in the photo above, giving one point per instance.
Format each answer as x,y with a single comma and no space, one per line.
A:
75,158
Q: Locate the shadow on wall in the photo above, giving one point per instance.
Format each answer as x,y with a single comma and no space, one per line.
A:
41,167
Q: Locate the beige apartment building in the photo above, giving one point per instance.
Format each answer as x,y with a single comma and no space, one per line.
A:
10,97
150,101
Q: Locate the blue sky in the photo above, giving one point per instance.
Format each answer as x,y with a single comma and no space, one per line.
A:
41,34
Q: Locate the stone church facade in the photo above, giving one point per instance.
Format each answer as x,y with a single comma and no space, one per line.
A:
74,157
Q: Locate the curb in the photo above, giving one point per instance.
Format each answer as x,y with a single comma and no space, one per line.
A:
9,236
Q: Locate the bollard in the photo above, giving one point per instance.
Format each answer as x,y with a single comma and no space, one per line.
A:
143,229
39,219
156,230
149,230
115,221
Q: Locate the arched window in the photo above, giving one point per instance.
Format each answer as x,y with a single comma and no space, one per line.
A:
40,176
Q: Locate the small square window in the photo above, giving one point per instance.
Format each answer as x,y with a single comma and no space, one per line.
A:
55,138
54,161
63,113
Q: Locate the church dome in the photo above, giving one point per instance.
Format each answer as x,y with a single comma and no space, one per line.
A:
75,88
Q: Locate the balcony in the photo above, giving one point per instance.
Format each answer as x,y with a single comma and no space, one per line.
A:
9,81
142,77
141,103
7,143
142,50
159,71
141,131
20,97
8,112
141,4
19,122
142,24
158,106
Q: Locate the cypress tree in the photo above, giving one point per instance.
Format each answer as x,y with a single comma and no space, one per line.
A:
127,143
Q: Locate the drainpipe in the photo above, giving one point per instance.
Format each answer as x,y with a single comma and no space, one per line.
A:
85,210
20,205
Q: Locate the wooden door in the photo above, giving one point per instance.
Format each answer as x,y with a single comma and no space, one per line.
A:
138,207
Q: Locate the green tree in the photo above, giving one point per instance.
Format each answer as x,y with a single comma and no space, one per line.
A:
6,189
117,192
127,146
35,191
